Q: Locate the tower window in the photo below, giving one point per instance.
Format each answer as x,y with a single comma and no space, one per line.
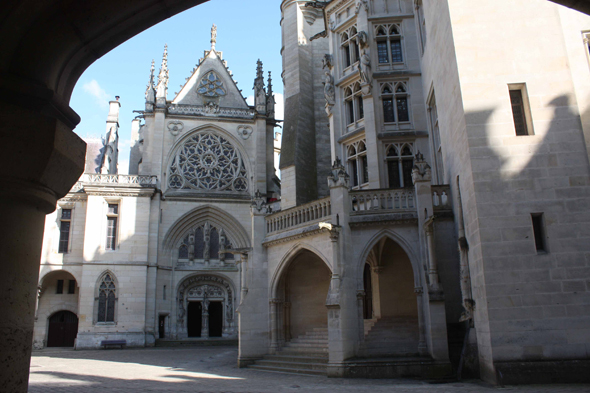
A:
64,230
520,109
539,232
60,287
400,161
353,103
395,92
350,47
112,221
436,141
358,165
389,43
71,287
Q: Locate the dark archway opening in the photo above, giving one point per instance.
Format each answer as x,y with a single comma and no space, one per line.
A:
368,286
63,329
194,319
215,319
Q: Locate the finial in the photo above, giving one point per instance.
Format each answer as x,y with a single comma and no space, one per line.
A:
269,84
162,86
259,73
213,36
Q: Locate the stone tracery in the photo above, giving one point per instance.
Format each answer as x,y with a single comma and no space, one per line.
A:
208,161
204,243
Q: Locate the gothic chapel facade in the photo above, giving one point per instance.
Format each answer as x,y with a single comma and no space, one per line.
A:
431,212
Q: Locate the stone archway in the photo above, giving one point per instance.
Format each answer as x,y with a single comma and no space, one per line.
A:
212,296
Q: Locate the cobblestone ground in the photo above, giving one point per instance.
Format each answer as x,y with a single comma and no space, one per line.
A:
210,369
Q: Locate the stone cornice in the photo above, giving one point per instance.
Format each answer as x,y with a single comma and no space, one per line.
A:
373,219
119,190
294,234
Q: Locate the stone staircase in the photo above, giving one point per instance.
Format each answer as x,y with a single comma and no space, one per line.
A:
390,337
306,354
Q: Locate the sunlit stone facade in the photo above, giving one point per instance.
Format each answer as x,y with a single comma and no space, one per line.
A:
432,208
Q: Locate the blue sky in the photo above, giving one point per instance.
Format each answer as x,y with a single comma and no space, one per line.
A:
247,30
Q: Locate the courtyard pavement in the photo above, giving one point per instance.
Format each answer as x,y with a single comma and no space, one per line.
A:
211,369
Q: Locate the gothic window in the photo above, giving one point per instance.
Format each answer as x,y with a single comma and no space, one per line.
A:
394,99
211,86
204,243
64,230
400,161
350,47
357,163
353,103
106,299
207,161
389,44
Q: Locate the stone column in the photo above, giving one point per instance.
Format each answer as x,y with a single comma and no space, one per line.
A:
432,263
254,310
205,318
42,159
422,347
274,325
287,321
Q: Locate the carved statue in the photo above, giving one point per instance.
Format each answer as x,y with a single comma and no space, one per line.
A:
213,36
363,39
365,68
191,245
327,61
329,92
222,244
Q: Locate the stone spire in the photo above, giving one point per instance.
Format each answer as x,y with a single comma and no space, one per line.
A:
259,92
270,99
150,92
213,36
162,87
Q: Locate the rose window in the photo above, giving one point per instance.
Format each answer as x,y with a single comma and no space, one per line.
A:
207,161
211,86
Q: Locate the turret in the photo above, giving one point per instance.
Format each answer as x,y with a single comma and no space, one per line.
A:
150,92
162,87
111,142
259,92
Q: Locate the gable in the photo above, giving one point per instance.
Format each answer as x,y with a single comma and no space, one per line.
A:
211,82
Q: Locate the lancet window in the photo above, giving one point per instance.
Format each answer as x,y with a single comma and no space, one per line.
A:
394,97
207,161
350,47
107,298
205,243
389,43
357,163
400,161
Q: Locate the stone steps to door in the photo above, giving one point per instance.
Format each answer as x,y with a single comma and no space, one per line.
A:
306,354
393,336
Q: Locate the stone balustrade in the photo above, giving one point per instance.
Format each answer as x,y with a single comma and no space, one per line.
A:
299,215
99,178
382,200
441,197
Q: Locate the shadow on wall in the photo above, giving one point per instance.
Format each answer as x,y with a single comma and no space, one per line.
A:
532,294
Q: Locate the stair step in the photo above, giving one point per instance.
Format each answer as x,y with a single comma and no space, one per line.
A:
294,365
289,370
298,359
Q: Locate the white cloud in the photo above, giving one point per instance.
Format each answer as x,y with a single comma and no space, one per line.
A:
250,100
279,106
94,89
123,167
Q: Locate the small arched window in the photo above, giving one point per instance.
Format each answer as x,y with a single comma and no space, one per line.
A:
389,45
395,105
400,161
107,298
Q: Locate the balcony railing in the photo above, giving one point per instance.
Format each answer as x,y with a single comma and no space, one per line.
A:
382,200
299,215
441,197
99,178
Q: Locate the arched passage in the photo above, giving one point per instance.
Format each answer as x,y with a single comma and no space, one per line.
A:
390,306
300,296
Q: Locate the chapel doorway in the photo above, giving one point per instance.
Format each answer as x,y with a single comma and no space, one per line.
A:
63,329
162,326
194,319
215,319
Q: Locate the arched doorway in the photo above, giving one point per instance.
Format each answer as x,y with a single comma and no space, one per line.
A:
389,293
205,307
63,329
301,297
